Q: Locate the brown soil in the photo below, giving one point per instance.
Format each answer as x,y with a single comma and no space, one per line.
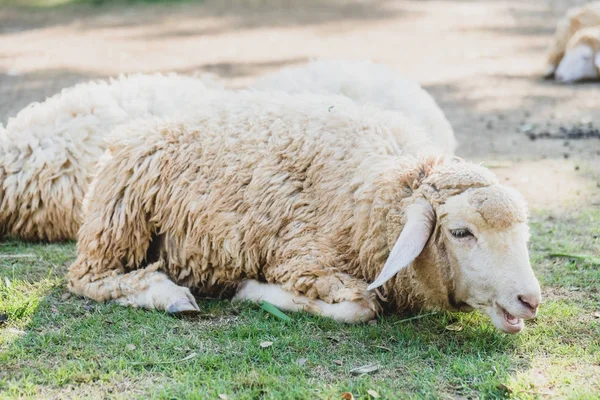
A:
480,59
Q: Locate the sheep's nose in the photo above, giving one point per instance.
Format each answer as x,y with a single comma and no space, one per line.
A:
530,301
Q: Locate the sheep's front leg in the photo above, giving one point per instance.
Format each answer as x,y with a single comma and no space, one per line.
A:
347,311
147,288
313,275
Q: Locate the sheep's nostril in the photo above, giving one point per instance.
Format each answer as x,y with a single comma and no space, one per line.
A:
531,302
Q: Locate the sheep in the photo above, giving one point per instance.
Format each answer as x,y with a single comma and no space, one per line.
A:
366,83
576,19
301,201
582,57
48,152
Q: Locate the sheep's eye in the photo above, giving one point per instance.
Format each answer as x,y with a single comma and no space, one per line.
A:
461,233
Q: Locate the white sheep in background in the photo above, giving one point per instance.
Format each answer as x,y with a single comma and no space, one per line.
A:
303,200
367,83
582,57
576,19
49,151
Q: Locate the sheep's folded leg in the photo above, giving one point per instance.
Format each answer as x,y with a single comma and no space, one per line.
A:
308,275
147,288
345,311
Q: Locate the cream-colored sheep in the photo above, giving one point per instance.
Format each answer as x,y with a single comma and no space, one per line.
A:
49,151
576,19
367,83
304,200
582,57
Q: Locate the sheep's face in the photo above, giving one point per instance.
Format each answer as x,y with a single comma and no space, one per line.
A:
485,233
579,63
476,233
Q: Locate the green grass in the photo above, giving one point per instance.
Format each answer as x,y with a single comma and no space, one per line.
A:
55,346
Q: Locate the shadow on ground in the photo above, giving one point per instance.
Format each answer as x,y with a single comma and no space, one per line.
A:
241,15
68,347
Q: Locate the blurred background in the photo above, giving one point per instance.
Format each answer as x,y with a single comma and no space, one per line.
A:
481,60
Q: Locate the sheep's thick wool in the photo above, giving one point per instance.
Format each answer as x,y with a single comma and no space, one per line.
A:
49,151
367,83
309,192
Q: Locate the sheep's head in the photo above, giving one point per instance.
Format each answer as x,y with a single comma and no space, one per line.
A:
582,57
579,63
478,231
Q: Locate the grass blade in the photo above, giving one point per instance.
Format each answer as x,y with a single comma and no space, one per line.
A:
581,257
271,309
415,317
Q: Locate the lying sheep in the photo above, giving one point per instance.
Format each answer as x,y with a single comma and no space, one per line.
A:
301,201
48,152
367,83
576,19
582,57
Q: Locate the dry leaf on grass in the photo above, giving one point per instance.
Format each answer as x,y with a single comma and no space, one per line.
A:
455,327
373,393
65,296
223,396
130,347
347,396
383,348
504,388
301,361
364,369
266,344
338,362
189,357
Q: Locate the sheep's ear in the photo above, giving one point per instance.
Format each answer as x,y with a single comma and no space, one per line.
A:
412,240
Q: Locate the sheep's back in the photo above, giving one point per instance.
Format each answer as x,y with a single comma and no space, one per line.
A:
248,172
367,83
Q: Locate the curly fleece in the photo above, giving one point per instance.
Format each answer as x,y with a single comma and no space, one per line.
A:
284,189
49,151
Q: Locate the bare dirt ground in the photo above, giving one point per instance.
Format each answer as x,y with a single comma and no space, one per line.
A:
480,59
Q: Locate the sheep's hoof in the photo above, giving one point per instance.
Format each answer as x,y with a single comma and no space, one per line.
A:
183,307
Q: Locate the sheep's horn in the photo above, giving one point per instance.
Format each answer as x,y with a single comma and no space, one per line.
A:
412,240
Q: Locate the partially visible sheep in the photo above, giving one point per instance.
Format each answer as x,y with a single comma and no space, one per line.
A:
367,83
304,199
582,58
49,151
576,19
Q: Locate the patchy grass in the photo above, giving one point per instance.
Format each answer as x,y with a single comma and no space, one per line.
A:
54,346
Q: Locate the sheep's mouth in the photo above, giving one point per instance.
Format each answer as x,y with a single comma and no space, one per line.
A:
507,322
